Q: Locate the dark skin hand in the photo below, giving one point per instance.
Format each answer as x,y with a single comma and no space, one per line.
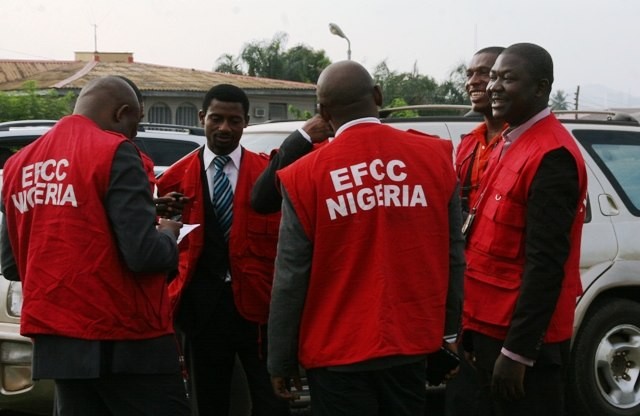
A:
318,129
174,226
170,205
453,347
507,382
282,387
470,357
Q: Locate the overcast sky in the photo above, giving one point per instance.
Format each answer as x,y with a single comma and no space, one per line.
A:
593,43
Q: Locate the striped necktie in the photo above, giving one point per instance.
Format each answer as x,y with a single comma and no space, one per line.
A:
222,195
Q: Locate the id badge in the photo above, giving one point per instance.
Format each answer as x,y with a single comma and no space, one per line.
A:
466,227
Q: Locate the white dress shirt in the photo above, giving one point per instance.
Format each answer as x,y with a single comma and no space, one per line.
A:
230,169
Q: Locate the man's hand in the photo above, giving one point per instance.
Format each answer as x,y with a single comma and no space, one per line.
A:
318,129
453,347
465,344
173,226
508,378
282,387
470,357
170,205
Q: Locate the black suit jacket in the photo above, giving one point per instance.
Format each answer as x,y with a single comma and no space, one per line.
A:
203,291
265,195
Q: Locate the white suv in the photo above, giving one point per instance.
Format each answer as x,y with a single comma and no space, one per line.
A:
164,143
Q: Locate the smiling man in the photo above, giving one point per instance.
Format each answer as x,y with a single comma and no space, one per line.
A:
473,153
223,287
523,250
472,157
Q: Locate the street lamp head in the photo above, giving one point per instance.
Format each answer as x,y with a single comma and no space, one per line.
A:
335,29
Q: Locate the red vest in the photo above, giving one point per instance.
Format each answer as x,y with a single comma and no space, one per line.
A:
495,251
374,202
253,238
473,152
74,280
464,151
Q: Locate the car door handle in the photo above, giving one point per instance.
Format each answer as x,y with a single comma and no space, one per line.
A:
608,207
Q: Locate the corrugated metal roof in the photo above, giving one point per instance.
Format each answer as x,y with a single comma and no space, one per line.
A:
76,74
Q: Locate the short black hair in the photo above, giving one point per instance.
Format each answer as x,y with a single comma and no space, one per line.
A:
227,93
540,64
496,50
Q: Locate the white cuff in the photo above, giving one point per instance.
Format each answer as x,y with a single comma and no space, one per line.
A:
305,135
517,357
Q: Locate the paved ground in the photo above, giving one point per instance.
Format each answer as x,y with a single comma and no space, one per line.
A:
435,403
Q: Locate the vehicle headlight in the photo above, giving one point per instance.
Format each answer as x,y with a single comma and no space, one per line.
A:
15,358
14,299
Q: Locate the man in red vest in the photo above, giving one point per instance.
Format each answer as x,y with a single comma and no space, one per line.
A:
80,232
370,258
222,291
474,150
522,275
471,160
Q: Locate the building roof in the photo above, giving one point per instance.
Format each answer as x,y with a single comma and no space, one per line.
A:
73,75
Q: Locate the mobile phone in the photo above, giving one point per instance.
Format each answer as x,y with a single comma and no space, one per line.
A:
439,364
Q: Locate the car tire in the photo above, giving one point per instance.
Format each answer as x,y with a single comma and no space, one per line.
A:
604,372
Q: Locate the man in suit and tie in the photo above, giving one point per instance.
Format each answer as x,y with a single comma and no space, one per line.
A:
222,291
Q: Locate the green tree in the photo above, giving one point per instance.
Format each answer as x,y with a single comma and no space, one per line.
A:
304,64
265,58
413,87
32,104
299,114
452,90
399,102
228,64
271,59
559,101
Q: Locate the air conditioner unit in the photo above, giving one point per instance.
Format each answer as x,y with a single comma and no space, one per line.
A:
259,112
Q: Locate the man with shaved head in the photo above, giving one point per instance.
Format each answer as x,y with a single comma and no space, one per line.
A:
80,233
369,258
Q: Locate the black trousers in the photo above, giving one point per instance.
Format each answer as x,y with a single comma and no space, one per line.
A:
122,395
544,383
395,391
462,392
211,355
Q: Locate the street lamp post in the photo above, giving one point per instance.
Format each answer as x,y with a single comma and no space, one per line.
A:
335,29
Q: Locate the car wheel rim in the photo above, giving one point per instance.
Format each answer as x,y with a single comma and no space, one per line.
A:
617,366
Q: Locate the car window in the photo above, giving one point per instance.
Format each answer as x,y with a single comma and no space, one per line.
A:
16,143
260,142
165,152
617,153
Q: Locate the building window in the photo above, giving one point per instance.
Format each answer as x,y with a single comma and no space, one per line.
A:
278,111
160,113
187,115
